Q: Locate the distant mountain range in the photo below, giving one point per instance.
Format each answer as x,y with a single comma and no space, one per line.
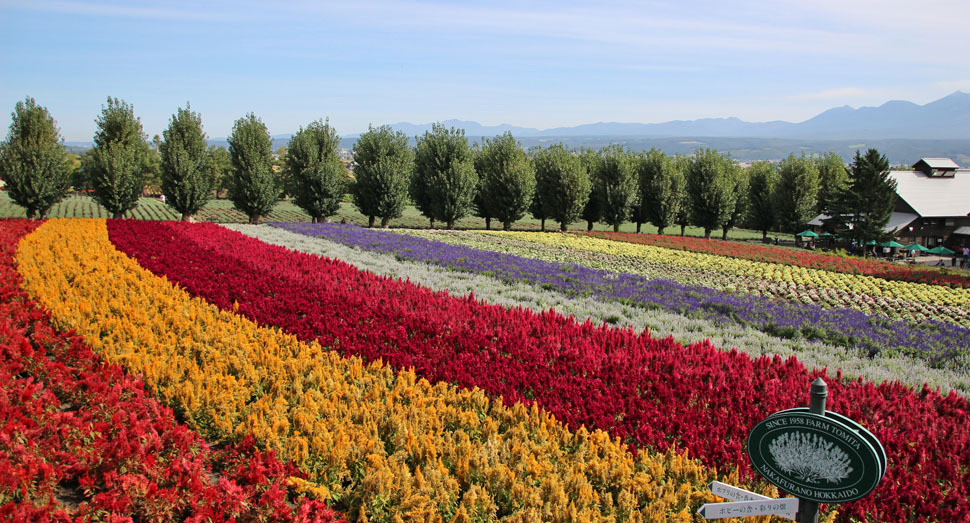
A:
946,118
904,131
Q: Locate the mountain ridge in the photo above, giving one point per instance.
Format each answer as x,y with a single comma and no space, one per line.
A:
943,119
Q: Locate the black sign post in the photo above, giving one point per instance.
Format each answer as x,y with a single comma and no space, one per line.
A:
807,509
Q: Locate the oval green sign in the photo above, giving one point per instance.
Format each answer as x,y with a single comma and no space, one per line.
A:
814,457
855,426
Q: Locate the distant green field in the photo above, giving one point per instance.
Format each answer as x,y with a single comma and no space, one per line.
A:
222,211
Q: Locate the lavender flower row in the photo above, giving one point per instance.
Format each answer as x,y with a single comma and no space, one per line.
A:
941,344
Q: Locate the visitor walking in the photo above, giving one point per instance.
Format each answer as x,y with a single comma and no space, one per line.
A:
966,257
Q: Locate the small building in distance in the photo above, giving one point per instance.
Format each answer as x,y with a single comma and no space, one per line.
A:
934,201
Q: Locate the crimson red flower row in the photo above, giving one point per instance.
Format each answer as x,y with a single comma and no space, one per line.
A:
652,393
80,439
813,260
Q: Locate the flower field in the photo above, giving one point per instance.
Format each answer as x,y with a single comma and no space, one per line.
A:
82,439
763,253
941,344
895,308
858,283
398,402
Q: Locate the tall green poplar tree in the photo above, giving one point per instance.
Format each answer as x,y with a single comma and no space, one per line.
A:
616,182
592,212
315,172
254,189
563,183
833,177
661,184
507,179
385,163
34,167
762,179
711,189
186,179
444,175
119,158
796,193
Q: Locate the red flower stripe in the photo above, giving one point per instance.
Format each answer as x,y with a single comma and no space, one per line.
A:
80,439
764,253
651,393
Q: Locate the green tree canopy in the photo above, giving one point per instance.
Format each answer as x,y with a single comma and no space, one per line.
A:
316,175
711,189
186,179
507,179
563,183
254,189
796,193
219,169
762,179
34,167
740,189
444,180
833,177
864,208
616,185
590,160
661,187
119,159
385,163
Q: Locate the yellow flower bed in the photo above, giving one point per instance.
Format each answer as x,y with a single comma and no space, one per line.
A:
378,444
858,283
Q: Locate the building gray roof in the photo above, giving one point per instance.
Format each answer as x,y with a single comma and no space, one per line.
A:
940,163
898,220
934,196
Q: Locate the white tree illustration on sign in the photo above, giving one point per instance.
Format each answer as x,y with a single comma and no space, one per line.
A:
809,457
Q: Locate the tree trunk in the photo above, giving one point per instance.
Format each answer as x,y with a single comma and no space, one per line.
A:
660,230
616,227
118,215
682,229
589,225
30,214
384,221
707,233
432,222
563,226
543,224
488,223
507,225
186,217
254,219
370,221
724,232
639,225
450,224
764,236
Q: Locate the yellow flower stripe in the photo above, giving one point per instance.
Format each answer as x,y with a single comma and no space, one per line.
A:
378,444
858,283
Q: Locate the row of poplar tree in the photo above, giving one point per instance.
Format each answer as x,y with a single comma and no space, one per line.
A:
444,176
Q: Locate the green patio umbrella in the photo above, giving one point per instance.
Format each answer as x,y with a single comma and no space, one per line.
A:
941,250
810,234
915,247
891,243
871,242
826,234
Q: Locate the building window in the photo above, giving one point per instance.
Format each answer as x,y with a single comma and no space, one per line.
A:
950,222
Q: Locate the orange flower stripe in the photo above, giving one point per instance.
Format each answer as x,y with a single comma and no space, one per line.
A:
379,445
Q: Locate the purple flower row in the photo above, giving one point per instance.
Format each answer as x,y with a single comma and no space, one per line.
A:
936,342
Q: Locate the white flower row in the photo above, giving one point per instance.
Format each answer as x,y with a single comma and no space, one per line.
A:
660,323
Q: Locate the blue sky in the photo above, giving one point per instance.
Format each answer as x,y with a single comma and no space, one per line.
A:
533,64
